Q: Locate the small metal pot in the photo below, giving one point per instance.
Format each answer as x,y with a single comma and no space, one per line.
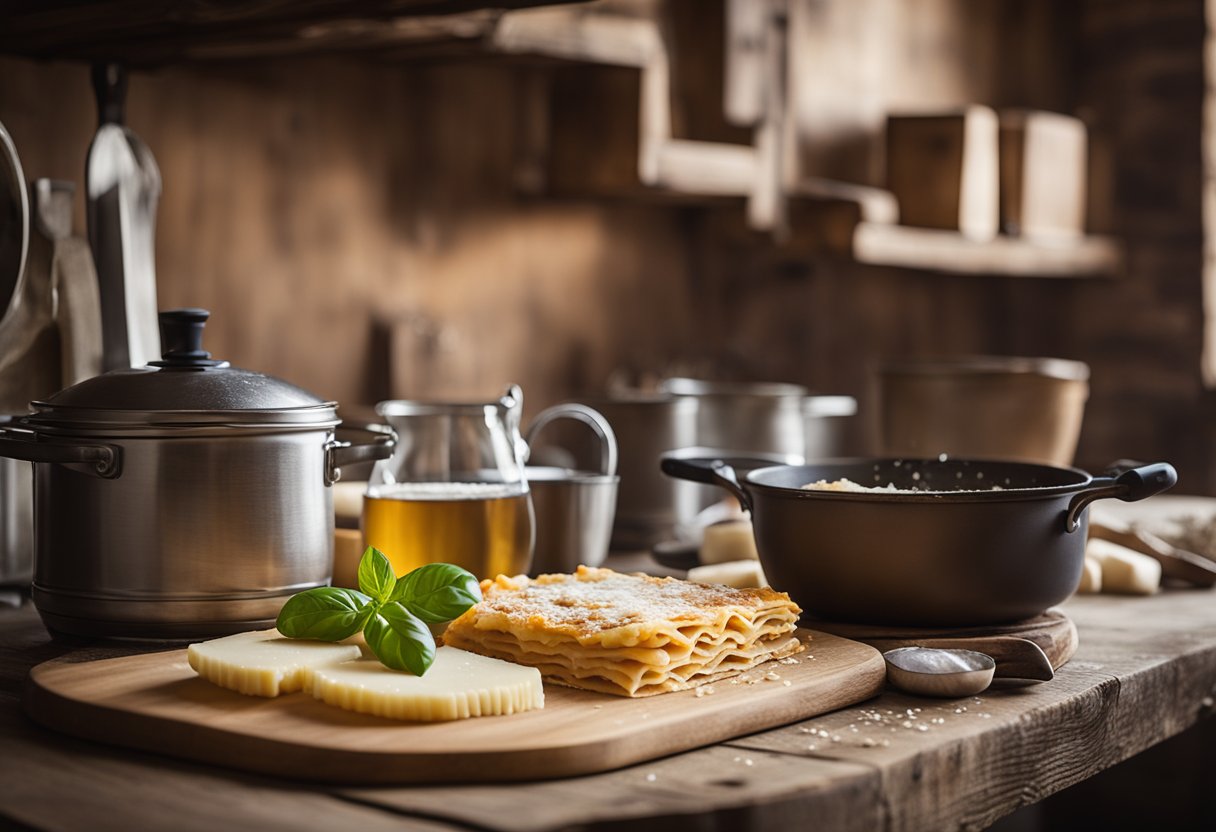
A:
745,416
180,500
574,509
962,543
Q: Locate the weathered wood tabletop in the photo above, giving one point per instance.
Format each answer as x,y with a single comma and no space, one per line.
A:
1145,670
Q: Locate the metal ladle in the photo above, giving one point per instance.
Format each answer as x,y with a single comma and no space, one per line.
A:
932,671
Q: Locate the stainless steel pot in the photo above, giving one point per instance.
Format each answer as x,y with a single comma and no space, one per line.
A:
745,416
180,500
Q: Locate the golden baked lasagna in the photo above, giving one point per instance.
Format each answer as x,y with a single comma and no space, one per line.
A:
630,635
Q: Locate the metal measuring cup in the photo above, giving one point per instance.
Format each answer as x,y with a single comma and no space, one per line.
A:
574,509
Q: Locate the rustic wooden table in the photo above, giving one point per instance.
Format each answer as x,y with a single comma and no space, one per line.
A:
1146,670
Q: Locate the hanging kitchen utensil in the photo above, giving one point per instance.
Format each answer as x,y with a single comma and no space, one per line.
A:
14,220
77,302
16,491
123,185
29,342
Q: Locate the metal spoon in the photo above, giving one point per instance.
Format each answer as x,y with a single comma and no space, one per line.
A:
932,671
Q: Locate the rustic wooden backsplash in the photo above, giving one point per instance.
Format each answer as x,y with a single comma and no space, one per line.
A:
355,227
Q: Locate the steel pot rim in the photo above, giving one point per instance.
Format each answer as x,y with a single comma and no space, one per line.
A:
57,418
703,388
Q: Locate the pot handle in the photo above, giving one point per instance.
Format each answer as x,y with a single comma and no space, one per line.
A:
339,453
592,418
709,471
88,458
1128,482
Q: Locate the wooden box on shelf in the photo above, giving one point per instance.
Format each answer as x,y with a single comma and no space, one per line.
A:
1043,175
943,170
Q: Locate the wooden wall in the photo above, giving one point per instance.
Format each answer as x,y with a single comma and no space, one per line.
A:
316,204
1134,71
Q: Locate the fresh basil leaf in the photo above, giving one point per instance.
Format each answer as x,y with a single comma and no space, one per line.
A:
376,576
399,639
327,613
437,592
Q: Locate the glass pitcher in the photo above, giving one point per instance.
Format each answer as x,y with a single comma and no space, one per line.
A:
454,489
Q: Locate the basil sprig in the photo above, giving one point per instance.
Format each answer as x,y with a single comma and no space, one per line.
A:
392,612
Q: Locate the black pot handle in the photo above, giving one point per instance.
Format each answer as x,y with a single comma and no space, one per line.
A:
339,453
1129,485
709,471
88,458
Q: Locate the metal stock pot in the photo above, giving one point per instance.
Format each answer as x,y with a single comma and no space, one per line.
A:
183,499
953,542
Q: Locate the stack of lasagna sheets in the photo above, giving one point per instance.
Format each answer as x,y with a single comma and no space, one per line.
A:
629,635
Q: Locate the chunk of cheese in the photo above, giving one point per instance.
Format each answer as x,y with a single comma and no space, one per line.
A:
1091,577
458,685
263,662
740,574
1123,570
729,541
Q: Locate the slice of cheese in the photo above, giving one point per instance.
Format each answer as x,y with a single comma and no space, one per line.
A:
740,574
458,685
263,662
1091,577
1124,571
729,541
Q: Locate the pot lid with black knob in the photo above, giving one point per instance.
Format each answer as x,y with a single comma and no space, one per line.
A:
186,387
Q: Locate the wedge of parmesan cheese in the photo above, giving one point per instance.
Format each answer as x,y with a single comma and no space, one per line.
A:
263,662
1091,577
458,685
729,541
740,574
1124,571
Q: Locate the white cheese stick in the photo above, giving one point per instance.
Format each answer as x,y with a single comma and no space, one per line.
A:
1091,577
458,685
740,574
1123,570
729,541
263,662
348,499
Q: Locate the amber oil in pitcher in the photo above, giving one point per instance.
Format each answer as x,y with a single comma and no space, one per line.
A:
486,528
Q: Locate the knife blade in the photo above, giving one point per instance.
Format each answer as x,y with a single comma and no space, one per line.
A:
123,189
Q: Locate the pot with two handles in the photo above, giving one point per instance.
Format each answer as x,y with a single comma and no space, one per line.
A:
923,543
185,499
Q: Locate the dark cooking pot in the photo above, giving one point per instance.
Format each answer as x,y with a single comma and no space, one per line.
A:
181,500
961,543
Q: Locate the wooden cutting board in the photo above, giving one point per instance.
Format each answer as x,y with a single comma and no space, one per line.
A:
155,702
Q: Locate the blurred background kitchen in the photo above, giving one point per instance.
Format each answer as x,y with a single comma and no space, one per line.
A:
387,199
383,199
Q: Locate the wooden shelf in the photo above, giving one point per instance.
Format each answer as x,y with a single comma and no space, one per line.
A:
146,33
946,251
